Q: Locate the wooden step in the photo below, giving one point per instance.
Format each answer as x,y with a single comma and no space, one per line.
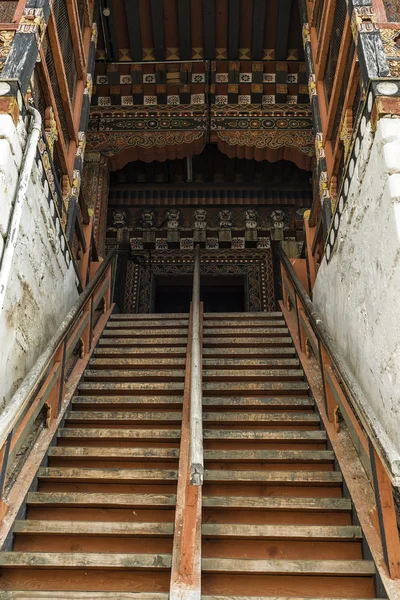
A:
257,387
260,418
122,529
248,323
242,315
42,595
232,332
277,503
107,475
131,417
129,401
350,568
128,454
123,350
281,532
273,456
150,316
250,363
160,334
147,323
83,560
250,435
146,342
257,418
96,500
122,375
280,375
120,434
271,403
138,363
307,478
242,351
245,342
144,387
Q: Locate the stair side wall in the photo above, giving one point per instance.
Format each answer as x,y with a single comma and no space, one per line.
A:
41,289
358,292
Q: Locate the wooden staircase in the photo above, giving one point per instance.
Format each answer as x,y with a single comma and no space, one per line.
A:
276,521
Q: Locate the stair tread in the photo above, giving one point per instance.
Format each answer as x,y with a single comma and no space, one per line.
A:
42,595
251,362
145,333
255,385
154,363
107,453
251,373
254,322
152,352
84,560
149,316
80,474
134,400
255,331
134,385
120,433
270,455
246,341
163,342
248,351
277,503
256,417
352,568
319,477
242,315
101,499
127,323
93,528
139,373
262,434
241,401
301,532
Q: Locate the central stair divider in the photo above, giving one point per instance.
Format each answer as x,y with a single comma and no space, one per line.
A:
186,552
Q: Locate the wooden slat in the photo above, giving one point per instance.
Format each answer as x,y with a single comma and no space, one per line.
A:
134,375
131,401
278,456
267,403
250,375
134,32
131,417
281,48
150,316
123,350
184,27
326,478
137,386
258,434
260,418
143,363
246,331
255,387
209,29
233,29
141,434
157,19
351,568
140,341
116,528
257,31
248,342
250,351
84,560
285,503
147,333
129,454
120,475
255,322
77,499
153,324
280,532
243,315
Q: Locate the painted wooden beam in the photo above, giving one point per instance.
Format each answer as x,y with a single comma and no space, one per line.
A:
157,18
134,31
185,33
233,29
209,29
282,31
257,32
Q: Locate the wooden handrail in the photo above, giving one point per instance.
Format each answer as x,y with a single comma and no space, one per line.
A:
44,383
380,440
196,394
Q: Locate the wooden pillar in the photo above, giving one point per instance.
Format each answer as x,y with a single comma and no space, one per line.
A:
95,186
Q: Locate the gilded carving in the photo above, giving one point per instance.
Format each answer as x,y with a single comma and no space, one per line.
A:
6,38
33,21
347,131
312,86
363,20
319,147
323,186
306,34
50,127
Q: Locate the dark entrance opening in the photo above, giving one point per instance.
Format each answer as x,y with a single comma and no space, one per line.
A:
225,293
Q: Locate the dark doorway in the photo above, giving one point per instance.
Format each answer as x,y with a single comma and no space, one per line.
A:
173,294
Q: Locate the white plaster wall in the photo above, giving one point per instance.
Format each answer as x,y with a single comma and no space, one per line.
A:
358,292
41,289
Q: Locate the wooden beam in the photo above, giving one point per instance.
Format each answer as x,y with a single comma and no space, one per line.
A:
185,33
209,29
113,32
233,29
282,30
157,18
134,32
258,27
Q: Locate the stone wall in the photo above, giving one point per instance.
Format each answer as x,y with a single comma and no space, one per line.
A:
358,292
41,288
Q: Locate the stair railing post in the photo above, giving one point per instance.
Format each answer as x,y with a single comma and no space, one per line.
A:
196,395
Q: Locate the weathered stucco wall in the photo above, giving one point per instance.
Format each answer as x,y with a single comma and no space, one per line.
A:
41,288
358,292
